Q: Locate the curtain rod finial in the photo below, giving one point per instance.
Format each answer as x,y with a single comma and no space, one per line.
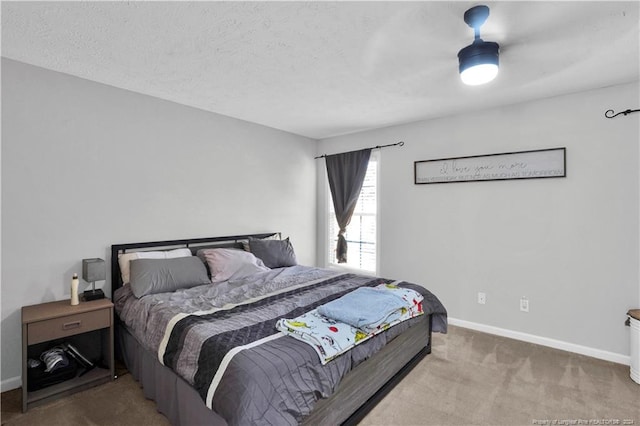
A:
610,113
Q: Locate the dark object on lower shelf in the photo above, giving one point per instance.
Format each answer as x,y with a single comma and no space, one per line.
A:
38,378
93,295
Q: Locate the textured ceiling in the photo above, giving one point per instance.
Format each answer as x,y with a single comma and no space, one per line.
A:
326,68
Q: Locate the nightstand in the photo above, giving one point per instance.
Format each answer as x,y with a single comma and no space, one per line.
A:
88,326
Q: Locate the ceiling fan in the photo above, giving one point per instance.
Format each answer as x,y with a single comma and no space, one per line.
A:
417,48
418,43
478,62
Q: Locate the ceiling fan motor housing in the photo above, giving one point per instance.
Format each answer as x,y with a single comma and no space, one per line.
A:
479,52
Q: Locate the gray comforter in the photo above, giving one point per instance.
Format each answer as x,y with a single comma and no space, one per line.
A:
222,340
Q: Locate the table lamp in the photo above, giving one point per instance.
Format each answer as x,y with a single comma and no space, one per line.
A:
93,270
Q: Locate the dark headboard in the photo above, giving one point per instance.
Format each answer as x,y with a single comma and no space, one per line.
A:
194,244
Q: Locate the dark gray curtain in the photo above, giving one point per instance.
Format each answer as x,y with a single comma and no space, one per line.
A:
346,173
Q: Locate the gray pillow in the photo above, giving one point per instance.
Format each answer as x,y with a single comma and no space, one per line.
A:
225,264
274,253
150,276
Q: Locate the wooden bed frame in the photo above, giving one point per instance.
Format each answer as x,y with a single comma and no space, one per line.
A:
359,387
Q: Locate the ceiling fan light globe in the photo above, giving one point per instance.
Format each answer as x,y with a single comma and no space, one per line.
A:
479,74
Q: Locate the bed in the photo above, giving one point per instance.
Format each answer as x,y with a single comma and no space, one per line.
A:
218,378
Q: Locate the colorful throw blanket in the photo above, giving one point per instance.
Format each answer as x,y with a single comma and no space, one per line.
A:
337,326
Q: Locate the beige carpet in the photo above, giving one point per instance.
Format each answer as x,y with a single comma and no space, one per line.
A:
470,378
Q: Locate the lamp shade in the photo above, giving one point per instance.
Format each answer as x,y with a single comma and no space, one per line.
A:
93,270
479,62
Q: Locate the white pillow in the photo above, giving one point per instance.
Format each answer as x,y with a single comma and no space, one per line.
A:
125,259
225,264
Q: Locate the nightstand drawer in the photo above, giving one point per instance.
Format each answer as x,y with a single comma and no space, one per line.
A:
56,328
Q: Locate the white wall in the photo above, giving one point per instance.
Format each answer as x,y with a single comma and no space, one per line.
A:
86,165
569,244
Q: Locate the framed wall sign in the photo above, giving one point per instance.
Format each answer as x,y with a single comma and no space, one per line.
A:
542,163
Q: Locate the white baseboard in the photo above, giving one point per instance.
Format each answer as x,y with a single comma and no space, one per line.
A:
544,341
10,384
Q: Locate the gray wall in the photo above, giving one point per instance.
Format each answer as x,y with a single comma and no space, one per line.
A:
86,165
570,245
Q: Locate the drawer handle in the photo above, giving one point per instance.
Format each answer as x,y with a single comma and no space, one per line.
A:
71,325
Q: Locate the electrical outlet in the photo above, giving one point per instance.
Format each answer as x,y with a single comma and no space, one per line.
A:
482,298
524,304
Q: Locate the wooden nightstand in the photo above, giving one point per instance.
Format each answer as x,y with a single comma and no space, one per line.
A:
88,326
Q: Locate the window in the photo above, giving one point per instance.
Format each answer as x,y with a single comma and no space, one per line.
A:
361,232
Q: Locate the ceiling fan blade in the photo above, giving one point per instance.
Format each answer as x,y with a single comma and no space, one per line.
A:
521,23
411,39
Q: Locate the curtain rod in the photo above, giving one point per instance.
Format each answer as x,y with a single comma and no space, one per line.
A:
401,143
